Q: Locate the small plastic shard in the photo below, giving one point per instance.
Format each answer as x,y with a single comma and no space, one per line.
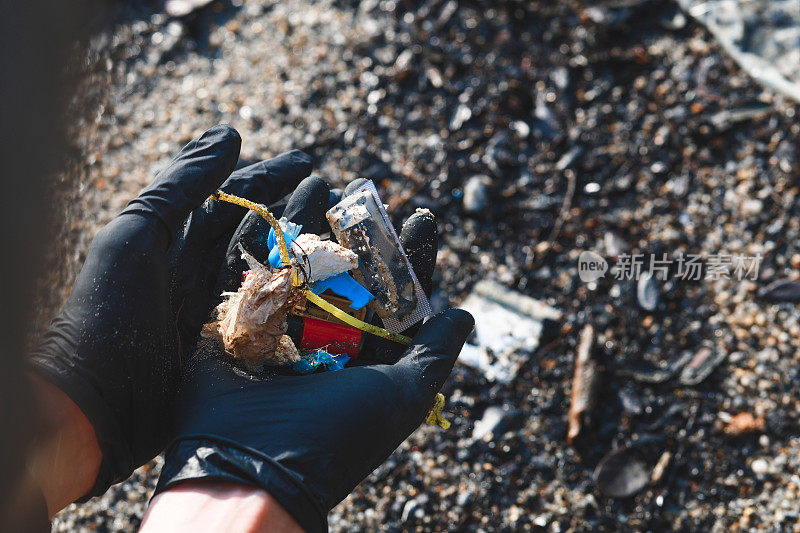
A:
508,328
762,37
251,322
584,385
290,233
320,360
434,416
361,224
344,285
322,259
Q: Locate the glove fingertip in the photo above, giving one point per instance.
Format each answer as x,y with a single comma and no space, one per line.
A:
444,334
308,204
353,185
454,324
420,239
301,160
223,134
226,143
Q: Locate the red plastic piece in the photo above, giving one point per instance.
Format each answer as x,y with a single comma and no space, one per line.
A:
333,338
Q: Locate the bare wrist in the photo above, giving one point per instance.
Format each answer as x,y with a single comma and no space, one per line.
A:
65,458
219,506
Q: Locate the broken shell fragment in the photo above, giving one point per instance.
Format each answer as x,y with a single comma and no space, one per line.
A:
625,471
701,365
621,474
660,468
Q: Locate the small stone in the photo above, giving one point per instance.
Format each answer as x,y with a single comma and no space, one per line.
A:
760,466
647,293
752,207
521,128
476,193
463,113
495,420
744,423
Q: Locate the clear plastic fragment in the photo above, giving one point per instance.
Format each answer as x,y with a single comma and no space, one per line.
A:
360,223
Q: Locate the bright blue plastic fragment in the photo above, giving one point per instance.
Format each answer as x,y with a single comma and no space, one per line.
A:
320,360
289,235
344,285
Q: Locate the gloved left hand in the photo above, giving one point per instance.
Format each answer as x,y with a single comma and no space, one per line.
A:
146,287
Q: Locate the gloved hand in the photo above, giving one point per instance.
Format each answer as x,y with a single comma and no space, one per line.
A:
308,440
137,306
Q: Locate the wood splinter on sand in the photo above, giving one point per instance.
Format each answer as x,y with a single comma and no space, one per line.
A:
584,385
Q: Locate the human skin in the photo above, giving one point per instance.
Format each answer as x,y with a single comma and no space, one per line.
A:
217,506
66,458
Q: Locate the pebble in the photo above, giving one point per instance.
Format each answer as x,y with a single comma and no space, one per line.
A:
495,420
476,194
760,466
647,292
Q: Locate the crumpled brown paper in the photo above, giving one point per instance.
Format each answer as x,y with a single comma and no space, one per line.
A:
251,321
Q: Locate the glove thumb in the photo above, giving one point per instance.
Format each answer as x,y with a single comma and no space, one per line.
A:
433,352
196,172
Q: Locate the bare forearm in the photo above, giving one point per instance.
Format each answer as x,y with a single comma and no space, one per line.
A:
216,506
65,458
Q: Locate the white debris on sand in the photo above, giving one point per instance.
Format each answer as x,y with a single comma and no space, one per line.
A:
508,326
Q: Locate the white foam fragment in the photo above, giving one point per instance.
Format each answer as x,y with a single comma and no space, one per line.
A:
322,259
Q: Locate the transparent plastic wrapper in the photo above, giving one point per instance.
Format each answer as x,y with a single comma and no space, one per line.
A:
361,223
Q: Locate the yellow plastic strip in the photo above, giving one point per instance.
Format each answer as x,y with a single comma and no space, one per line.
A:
264,212
356,323
332,309
434,416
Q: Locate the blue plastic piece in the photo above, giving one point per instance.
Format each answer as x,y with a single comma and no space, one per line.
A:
291,233
320,360
344,285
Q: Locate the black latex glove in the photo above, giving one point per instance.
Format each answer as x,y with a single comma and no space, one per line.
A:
308,440
137,306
